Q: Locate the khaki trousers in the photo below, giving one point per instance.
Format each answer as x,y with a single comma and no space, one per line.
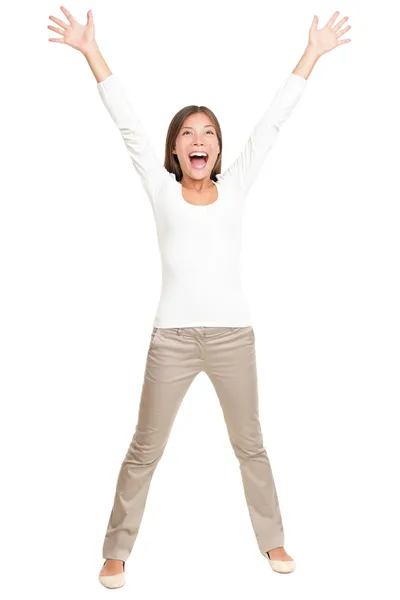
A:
175,356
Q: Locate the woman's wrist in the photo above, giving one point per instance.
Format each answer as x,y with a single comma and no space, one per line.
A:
96,62
91,49
307,62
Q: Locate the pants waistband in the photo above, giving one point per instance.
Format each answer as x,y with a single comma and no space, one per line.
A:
200,330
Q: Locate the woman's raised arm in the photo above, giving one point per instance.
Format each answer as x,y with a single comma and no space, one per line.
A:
246,167
82,38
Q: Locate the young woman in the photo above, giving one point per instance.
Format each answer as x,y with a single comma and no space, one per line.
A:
202,321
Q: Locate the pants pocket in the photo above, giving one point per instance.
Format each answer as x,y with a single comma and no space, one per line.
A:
249,331
154,334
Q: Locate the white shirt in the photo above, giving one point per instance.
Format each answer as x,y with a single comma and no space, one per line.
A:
200,246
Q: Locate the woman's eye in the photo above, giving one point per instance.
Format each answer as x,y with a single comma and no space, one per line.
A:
209,131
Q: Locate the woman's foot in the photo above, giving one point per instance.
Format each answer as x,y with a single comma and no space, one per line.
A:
280,561
112,574
112,567
279,554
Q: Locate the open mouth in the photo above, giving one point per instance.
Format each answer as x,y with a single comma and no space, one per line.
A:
198,159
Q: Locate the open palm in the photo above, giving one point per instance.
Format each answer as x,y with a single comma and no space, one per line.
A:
73,33
325,39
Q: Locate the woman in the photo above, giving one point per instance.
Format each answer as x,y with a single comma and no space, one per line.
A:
202,320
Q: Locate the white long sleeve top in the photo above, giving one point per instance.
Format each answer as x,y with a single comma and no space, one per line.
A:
200,246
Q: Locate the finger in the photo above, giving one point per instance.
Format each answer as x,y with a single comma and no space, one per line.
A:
59,22
332,19
56,29
343,41
61,40
67,14
343,31
338,26
314,23
90,18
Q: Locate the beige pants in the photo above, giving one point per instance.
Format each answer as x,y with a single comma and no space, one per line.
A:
175,357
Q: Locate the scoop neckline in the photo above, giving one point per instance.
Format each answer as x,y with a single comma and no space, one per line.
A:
216,183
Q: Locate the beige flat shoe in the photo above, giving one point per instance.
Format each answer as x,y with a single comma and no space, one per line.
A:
113,581
281,566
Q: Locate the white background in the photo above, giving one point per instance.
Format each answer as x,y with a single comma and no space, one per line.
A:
80,281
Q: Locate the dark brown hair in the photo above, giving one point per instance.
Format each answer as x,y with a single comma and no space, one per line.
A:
171,162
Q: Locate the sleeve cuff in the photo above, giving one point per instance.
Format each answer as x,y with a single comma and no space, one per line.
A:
298,79
107,80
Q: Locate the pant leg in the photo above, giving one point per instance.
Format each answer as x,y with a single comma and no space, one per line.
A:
166,381
231,367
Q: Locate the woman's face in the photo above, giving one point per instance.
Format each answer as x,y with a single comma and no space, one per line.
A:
197,134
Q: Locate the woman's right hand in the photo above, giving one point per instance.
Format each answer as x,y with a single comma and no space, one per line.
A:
80,37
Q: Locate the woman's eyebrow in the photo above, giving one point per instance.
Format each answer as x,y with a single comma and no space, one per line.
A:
188,127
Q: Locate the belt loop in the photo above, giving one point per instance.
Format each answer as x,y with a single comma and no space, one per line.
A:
178,330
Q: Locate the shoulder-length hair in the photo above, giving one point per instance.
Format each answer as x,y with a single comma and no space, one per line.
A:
171,162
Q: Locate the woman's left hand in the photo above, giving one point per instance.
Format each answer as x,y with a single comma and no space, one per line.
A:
323,40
